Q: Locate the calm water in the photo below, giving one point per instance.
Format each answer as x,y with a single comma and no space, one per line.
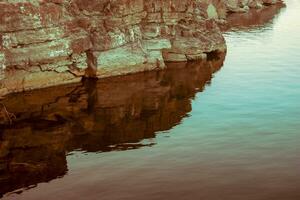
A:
184,133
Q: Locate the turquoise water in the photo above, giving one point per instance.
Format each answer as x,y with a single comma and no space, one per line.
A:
238,139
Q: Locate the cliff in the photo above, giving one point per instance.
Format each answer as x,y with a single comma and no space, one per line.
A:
52,42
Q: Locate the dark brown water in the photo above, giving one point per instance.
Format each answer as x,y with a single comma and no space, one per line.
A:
194,131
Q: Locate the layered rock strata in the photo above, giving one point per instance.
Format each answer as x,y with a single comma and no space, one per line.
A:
52,42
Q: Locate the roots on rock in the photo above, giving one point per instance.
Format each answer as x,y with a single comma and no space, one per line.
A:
5,116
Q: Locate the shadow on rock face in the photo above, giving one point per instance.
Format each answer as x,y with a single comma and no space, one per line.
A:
110,114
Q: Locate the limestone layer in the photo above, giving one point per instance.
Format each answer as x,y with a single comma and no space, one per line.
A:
52,42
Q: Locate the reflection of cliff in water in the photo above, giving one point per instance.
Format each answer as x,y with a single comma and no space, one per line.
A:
110,114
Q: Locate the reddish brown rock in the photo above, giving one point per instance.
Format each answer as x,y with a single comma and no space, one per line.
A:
53,42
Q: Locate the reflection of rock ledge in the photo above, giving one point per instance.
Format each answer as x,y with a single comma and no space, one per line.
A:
111,114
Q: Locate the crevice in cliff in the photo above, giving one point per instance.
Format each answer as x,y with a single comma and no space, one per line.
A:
92,64
213,55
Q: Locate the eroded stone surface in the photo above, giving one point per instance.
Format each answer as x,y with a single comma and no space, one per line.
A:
52,42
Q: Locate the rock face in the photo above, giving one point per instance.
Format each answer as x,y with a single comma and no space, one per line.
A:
253,18
245,5
51,42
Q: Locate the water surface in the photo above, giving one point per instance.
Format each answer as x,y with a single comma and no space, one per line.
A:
183,133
